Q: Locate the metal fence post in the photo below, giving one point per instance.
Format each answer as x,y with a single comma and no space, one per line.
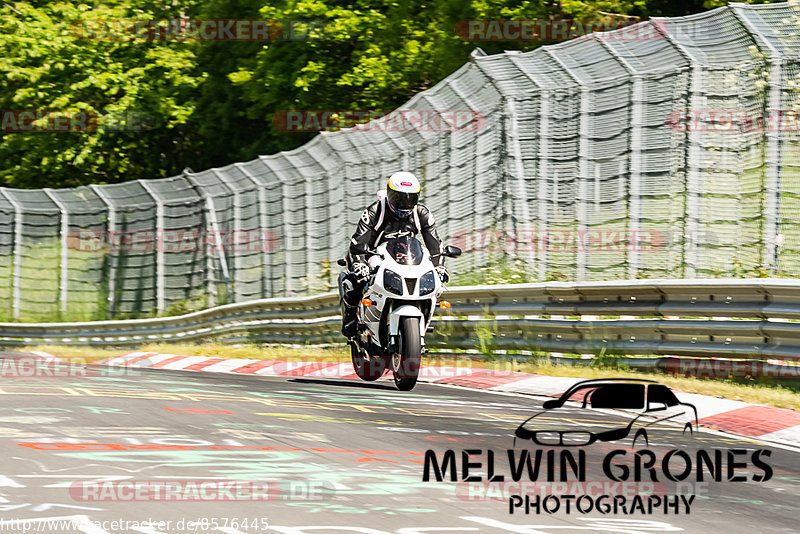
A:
223,263
113,255
267,289
521,186
693,181
237,230
18,222
693,177
159,241
583,185
544,169
635,180
772,216
289,290
63,284
636,163
583,166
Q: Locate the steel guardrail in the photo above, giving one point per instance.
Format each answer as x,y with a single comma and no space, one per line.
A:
734,318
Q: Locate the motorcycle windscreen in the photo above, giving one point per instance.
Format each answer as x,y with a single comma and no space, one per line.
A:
405,250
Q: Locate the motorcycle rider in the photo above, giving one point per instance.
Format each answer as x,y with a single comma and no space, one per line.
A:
396,211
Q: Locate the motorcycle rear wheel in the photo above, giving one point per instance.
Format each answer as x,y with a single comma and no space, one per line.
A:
366,368
406,366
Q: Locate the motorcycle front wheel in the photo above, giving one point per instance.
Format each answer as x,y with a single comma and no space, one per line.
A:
366,368
406,363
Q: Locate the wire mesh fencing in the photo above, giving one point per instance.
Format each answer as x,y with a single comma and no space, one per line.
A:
666,149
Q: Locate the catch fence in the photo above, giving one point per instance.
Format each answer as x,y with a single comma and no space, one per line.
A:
667,149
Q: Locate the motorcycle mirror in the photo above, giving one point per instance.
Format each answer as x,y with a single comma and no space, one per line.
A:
342,262
451,251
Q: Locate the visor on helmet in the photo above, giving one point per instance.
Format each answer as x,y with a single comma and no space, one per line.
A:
402,201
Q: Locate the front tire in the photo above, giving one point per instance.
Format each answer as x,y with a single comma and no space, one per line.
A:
369,369
406,364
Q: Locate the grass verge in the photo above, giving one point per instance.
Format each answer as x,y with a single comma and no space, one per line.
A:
781,396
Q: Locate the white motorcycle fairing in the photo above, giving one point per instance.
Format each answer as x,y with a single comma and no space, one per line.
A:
407,304
396,310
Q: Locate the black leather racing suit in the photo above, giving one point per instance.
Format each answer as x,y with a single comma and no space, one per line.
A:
369,235
367,238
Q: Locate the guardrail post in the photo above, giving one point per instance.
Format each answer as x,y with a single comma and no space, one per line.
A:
63,284
18,223
159,241
112,253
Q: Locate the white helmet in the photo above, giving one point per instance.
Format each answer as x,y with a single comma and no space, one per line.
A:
402,193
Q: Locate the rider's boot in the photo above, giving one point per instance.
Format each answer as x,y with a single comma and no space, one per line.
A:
349,294
349,324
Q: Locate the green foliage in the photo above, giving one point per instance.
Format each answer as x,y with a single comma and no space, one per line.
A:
182,307
740,270
209,103
486,332
45,66
499,270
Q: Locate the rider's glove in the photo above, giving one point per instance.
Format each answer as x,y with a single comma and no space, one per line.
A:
361,270
443,275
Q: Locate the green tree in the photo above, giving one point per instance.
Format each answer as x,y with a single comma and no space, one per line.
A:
210,103
47,63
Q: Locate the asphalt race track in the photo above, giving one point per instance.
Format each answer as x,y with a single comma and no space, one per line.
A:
334,455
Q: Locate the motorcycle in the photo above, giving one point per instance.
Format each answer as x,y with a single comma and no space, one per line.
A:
397,309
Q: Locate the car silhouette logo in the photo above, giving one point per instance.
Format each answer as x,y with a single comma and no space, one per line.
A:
652,404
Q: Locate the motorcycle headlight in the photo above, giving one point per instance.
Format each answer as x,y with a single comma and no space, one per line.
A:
427,283
392,282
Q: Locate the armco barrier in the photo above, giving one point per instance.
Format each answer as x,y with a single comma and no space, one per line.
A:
730,318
